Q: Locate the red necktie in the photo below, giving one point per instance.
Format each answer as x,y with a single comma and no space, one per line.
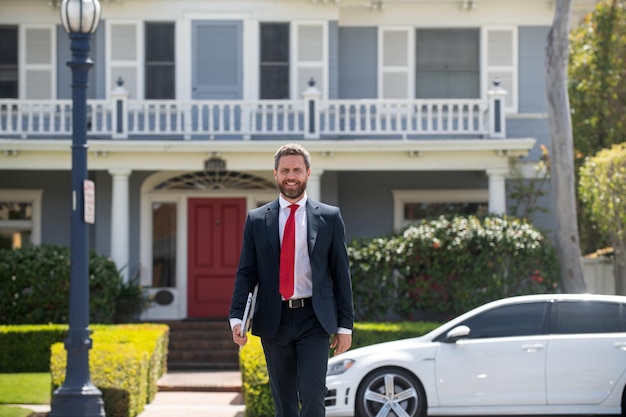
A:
288,254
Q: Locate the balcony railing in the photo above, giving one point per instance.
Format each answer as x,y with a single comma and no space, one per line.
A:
309,118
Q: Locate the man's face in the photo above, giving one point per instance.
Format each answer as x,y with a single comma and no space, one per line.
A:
291,177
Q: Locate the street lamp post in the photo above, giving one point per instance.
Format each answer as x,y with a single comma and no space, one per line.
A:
78,397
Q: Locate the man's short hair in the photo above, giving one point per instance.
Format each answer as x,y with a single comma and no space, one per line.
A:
292,149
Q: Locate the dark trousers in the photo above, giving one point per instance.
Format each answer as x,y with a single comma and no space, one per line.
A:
297,358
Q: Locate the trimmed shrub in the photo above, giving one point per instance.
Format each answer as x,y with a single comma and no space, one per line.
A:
255,379
125,363
447,266
26,348
34,286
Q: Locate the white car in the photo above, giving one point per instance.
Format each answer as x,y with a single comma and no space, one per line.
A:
536,354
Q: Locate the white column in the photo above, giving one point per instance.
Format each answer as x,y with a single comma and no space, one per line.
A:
120,220
497,190
313,187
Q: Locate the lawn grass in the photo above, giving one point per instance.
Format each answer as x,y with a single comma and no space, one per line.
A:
25,388
7,411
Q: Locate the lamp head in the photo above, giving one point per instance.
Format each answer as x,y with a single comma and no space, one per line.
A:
80,16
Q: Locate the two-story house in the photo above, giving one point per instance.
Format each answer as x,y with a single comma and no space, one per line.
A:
396,100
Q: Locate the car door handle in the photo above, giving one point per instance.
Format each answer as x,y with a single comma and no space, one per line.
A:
620,345
532,347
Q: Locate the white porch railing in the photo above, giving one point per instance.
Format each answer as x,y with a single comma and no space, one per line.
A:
310,118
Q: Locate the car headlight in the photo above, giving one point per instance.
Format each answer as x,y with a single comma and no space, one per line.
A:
339,367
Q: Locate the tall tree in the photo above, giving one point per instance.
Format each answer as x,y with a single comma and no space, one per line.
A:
562,154
597,88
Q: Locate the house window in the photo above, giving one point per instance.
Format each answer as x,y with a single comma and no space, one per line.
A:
447,63
164,235
20,218
274,69
411,206
160,70
292,54
8,62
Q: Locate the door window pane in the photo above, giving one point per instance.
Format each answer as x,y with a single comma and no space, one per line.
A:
160,61
447,63
274,61
508,321
576,317
8,62
164,244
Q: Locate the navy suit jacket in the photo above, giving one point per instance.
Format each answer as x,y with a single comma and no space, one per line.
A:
260,262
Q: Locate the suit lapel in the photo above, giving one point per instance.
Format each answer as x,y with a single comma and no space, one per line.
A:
271,221
313,222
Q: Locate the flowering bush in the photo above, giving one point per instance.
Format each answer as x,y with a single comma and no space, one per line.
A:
448,266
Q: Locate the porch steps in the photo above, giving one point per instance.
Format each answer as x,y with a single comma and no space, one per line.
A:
201,345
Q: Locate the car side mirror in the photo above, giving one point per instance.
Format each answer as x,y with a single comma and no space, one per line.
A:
459,332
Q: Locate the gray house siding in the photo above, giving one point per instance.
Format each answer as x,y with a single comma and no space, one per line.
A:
532,69
358,62
366,200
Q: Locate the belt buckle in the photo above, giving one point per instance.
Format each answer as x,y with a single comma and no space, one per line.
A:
295,303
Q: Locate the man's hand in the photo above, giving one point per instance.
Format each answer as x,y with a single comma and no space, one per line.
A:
241,341
341,342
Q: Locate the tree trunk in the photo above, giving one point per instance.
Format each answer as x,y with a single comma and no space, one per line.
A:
562,154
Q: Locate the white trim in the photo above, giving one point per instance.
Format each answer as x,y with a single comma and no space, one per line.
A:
402,197
513,69
408,69
25,196
295,65
24,67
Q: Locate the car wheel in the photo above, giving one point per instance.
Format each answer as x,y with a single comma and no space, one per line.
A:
390,392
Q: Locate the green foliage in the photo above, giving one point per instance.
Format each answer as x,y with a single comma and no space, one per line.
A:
25,388
602,189
449,265
597,92
132,300
256,385
26,348
34,286
255,379
125,364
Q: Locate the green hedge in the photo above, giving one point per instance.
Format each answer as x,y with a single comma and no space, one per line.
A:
125,364
26,348
255,380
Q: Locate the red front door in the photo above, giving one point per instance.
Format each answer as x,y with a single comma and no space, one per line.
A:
215,233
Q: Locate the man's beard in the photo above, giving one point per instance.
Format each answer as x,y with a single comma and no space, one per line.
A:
291,192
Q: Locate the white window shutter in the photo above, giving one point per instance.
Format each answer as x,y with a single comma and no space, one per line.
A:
500,60
395,62
124,57
309,54
38,62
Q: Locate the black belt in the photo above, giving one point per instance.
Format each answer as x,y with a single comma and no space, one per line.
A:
297,302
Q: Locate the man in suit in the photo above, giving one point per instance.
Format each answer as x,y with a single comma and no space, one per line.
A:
297,326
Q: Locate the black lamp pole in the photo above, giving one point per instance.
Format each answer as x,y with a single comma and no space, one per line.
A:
78,397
